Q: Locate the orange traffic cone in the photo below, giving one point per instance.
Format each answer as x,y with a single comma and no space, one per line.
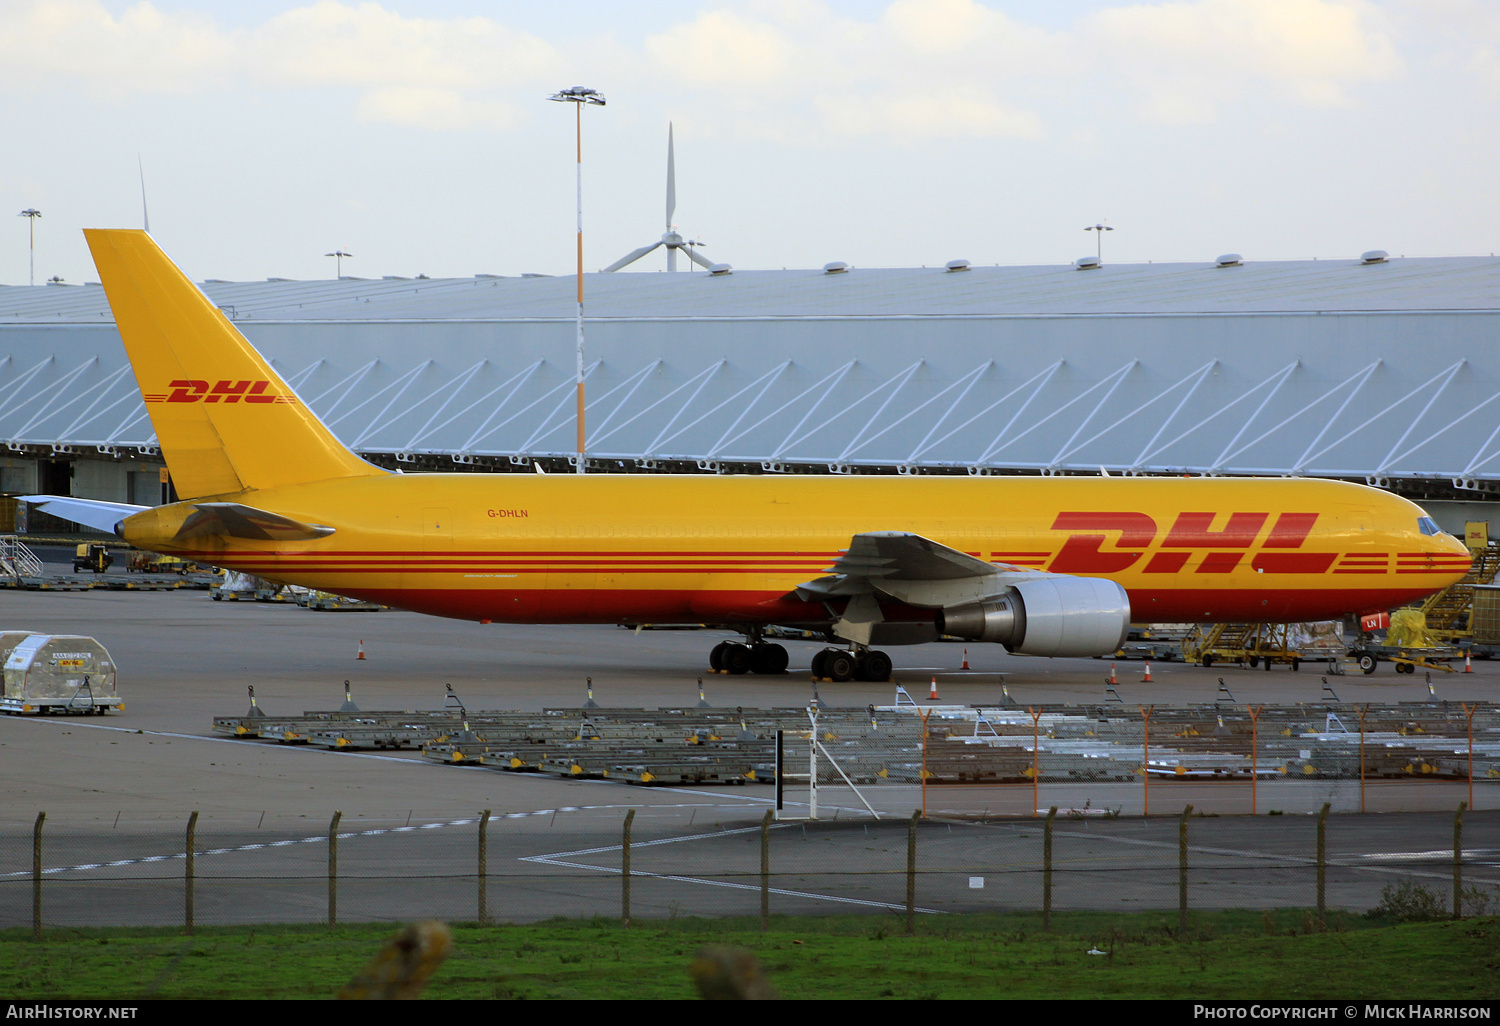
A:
1147,678
966,659
932,696
1112,678
1467,667
361,649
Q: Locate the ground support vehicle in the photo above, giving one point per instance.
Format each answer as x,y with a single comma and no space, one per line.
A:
1369,654
92,556
1159,642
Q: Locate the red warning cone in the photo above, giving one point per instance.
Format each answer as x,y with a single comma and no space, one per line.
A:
932,696
1112,678
361,649
966,659
1467,667
1147,678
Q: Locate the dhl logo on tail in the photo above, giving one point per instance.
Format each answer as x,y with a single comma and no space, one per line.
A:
186,390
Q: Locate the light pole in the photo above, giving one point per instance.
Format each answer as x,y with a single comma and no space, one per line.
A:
31,214
580,96
1099,239
339,255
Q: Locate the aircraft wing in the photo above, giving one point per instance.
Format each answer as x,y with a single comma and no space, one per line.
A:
240,521
1029,611
95,513
913,569
899,556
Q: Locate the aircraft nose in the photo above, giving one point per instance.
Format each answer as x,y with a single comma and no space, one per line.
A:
1449,554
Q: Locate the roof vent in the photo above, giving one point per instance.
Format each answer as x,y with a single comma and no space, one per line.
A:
1086,263
281,279
720,269
837,267
1374,256
958,265
1230,260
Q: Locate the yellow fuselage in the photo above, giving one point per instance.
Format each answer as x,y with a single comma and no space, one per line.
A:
636,548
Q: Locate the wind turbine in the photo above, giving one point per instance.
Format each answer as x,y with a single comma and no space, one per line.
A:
670,238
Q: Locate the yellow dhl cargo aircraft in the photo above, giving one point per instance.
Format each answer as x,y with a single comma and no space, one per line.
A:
1055,566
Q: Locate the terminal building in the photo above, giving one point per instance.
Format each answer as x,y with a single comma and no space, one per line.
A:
1374,369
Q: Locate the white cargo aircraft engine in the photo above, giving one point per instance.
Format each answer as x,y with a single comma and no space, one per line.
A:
1049,616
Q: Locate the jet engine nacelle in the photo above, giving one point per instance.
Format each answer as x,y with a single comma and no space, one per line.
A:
1049,616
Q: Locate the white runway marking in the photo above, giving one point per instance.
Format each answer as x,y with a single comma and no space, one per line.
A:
373,832
557,859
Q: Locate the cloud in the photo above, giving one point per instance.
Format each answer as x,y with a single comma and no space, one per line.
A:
920,69
331,43
436,73
143,49
1184,59
909,70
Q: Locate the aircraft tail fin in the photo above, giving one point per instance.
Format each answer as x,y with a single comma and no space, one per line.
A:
225,420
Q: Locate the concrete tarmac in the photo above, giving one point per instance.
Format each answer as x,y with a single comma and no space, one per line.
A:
124,785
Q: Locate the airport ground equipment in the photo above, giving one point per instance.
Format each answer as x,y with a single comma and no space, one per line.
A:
93,556
1159,641
1253,644
884,746
143,562
328,602
1368,653
62,673
1448,613
17,560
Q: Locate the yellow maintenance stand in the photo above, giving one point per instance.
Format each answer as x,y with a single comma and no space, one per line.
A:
1252,644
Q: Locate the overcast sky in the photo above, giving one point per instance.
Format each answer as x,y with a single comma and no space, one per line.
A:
418,136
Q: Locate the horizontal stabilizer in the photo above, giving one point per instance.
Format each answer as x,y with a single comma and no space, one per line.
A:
95,513
239,521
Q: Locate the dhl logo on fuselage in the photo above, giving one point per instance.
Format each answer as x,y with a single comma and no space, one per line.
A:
186,390
1083,553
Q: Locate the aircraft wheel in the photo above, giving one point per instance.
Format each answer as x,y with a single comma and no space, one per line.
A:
768,658
819,661
736,658
716,655
840,665
873,666
1367,663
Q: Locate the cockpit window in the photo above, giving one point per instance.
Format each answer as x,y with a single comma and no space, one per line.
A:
1428,526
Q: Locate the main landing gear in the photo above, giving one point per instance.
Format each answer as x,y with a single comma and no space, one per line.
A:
756,657
840,665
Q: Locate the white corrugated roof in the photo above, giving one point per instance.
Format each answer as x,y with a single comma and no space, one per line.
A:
1138,368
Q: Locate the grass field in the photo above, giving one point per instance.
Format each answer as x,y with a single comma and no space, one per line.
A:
1224,955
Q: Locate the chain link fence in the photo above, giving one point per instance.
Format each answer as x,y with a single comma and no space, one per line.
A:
726,859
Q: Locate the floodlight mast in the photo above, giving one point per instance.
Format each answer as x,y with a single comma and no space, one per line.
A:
1099,239
580,96
31,214
339,255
